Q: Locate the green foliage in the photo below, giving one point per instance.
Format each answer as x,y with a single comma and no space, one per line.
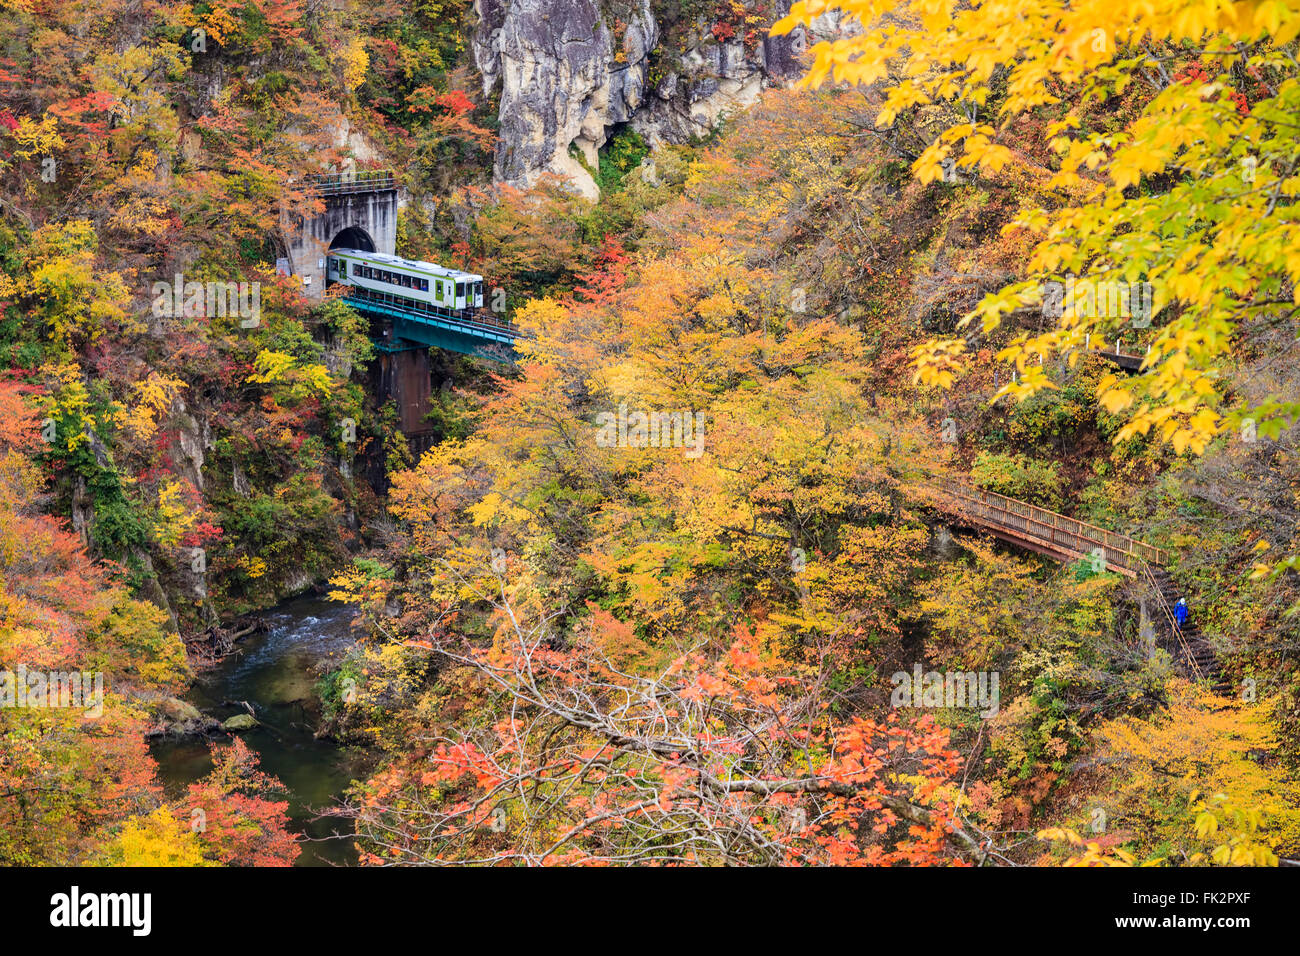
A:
1018,476
1049,418
450,416
276,535
619,156
118,528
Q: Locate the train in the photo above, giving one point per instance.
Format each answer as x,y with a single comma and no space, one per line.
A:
408,284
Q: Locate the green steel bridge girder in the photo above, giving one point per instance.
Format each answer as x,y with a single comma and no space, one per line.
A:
412,331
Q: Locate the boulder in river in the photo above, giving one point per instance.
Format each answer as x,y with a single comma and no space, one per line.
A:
239,722
178,718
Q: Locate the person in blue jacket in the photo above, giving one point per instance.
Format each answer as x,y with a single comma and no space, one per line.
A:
1180,613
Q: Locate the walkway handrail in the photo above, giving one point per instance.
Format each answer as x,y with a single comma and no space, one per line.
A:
1172,622
1060,530
365,180
1066,535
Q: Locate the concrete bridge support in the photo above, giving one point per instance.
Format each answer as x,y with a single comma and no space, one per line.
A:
405,377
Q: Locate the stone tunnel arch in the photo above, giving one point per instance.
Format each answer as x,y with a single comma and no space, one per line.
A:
353,237
361,214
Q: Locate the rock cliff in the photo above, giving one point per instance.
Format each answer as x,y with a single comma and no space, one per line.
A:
570,72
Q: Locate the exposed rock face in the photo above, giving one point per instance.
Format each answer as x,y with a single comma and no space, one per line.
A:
151,588
572,71
360,148
552,59
193,439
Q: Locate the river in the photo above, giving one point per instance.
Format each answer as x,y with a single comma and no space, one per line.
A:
276,673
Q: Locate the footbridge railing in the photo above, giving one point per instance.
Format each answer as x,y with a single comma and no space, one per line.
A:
1041,530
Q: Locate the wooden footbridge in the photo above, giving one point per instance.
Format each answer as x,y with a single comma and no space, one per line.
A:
1129,363
1068,539
1051,534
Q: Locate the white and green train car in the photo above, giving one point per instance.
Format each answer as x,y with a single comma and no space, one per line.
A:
419,286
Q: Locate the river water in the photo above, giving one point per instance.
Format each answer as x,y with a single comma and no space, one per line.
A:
276,673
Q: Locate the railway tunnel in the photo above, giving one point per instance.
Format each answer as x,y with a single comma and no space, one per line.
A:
361,213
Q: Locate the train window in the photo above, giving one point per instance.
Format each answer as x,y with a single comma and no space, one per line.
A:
460,290
356,268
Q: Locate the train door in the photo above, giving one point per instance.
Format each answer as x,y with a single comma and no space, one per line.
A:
336,270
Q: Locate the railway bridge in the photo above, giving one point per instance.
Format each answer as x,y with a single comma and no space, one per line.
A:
360,212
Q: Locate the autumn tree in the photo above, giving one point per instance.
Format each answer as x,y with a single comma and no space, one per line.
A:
592,757
1191,786
1193,195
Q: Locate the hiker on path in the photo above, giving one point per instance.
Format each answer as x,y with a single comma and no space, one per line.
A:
1180,613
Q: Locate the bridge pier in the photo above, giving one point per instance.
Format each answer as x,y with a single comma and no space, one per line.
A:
406,377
